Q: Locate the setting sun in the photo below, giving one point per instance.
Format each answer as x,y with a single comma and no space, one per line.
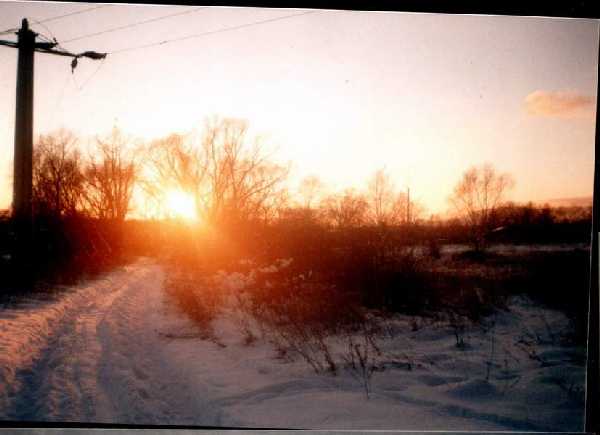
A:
181,204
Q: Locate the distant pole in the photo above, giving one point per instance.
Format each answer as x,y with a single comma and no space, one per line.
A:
23,157
408,205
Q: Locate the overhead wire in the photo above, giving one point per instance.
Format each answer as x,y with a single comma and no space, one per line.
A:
139,23
54,40
226,29
41,35
167,41
58,17
212,32
44,26
13,30
197,35
91,76
16,29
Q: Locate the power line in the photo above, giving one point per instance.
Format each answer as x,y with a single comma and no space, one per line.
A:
46,28
46,20
53,40
92,75
72,13
13,30
41,35
225,29
139,23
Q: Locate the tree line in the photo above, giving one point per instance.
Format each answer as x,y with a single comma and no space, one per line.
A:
231,179
234,182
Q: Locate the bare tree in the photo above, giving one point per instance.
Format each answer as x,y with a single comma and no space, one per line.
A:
381,198
403,212
476,198
242,183
173,162
345,210
387,206
57,174
232,180
311,188
110,178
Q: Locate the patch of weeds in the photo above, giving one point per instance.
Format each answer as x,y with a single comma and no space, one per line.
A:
199,301
361,356
458,324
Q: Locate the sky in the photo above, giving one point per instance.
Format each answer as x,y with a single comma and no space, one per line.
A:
337,94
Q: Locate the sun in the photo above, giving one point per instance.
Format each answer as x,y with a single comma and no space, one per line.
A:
181,204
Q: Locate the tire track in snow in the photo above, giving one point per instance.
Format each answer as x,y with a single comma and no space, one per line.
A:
104,362
135,370
57,385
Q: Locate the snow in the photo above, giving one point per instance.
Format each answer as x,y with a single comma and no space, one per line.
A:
116,350
513,249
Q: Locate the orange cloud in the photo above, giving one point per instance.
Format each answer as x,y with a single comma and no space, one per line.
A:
563,104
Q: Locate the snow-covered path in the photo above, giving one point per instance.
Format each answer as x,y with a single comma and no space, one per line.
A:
115,350
96,355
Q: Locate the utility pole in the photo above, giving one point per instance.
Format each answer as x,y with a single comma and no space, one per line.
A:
408,205
23,153
23,156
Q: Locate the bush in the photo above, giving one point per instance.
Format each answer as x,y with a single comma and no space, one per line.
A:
195,297
362,354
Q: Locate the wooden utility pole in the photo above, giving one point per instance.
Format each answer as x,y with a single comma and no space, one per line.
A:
23,154
408,205
23,157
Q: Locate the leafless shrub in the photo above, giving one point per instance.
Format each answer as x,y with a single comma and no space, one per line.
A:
458,324
306,342
244,317
362,354
201,302
298,313
297,326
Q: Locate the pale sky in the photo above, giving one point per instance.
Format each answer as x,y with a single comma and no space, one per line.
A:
338,94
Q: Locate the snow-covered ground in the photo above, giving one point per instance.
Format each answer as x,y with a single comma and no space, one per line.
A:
116,350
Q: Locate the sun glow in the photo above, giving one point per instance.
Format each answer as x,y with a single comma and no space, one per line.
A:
181,204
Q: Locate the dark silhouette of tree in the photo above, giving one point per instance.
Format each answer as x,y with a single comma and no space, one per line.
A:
58,182
232,180
243,183
476,198
110,178
346,210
